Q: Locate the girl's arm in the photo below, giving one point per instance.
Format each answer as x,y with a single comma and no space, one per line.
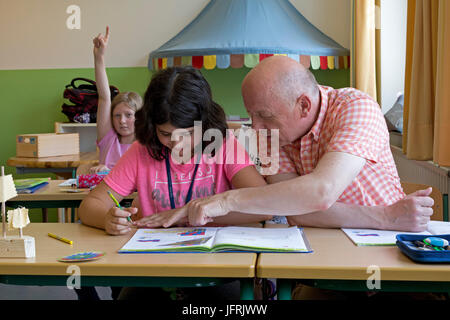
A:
104,95
98,210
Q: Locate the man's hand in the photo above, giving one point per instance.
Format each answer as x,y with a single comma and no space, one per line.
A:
202,211
177,217
412,213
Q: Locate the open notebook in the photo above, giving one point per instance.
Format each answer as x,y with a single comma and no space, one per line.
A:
371,237
209,239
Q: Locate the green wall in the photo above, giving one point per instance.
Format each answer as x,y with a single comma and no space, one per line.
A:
31,99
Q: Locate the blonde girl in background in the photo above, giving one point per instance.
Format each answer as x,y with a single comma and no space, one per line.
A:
115,119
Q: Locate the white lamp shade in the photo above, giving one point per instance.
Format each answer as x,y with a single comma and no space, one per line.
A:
18,218
7,188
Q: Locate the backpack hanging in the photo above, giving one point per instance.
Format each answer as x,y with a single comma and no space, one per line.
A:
85,100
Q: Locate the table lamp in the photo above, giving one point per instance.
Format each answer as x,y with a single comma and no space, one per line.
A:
14,246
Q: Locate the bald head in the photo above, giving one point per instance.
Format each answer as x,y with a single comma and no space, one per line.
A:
282,78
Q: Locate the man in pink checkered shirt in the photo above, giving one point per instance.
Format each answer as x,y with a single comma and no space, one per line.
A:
336,167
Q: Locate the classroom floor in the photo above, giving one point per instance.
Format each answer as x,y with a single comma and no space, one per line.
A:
13,292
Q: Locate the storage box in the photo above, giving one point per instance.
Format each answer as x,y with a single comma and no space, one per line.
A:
47,145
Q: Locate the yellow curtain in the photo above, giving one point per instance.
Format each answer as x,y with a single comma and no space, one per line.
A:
427,97
441,144
364,52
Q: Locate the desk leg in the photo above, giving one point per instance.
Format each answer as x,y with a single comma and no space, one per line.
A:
247,287
284,288
446,212
44,215
73,214
61,215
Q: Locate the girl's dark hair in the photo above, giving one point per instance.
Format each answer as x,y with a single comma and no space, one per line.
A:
180,96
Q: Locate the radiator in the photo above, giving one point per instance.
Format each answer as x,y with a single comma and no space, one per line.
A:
424,172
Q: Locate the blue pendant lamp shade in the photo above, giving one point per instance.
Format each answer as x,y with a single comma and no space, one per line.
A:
238,33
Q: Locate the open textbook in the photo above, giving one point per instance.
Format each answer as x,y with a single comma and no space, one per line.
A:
371,237
209,239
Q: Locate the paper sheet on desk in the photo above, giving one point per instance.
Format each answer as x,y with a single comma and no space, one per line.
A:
68,183
439,227
371,237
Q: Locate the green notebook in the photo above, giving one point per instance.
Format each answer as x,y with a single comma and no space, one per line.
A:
222,239
30,185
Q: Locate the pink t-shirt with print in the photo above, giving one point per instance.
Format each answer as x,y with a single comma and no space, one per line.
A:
137,170
110,149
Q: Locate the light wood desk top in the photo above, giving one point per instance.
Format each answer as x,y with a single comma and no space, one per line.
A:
336,257
71,161
52,192
48,250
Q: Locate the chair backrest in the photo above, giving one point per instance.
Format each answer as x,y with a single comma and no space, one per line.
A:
409,187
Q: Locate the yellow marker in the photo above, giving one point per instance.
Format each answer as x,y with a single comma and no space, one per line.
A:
60,238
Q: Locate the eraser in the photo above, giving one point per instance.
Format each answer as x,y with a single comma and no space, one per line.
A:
437,242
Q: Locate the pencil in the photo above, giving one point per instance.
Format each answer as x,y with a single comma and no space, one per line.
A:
60,238
117,203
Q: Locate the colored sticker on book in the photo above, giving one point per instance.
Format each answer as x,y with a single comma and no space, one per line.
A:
194,232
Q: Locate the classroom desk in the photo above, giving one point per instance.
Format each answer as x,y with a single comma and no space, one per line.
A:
65,166
337,263
114,269
51,196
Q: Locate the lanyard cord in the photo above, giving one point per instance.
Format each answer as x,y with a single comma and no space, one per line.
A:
169,183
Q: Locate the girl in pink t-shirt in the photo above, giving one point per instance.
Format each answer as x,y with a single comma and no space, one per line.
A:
183,151
115,119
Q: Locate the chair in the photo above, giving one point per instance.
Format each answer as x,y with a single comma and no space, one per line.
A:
439,207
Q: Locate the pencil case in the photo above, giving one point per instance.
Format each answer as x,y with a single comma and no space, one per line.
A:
405,242
90,180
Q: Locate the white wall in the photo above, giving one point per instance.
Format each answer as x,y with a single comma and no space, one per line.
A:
393,50
34,34
332,17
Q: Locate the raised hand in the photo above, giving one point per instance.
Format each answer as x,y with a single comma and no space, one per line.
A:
100,43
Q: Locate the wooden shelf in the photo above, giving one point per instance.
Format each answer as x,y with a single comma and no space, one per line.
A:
87,132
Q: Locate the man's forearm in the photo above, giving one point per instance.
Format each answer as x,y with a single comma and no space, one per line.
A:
297,196
236,218
316,191
341,215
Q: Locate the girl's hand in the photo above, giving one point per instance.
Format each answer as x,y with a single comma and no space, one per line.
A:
100,43
116,222
99,168
158,220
